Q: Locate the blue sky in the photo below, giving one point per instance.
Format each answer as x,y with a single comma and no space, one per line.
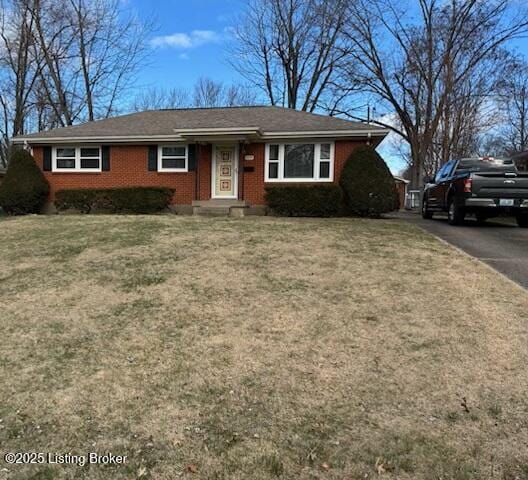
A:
190,41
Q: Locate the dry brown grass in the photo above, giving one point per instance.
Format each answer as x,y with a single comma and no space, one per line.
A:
258,348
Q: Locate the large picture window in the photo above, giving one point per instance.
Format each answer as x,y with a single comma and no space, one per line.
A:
299,162
76,159
172,158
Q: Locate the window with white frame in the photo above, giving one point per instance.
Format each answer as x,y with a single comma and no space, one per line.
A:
172,158
299,162
77,159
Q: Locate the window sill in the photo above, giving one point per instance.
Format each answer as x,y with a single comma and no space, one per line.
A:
76,171
299,180
173,170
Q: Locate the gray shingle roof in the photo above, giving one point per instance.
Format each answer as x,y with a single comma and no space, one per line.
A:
165,122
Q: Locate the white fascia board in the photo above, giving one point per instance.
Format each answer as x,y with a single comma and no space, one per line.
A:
99,140
327,134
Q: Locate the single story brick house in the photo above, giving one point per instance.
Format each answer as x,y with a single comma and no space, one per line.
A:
212,157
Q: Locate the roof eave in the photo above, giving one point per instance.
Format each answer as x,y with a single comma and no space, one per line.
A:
98,139
249,133
327,134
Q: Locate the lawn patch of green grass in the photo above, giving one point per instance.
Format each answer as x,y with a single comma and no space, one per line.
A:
258,348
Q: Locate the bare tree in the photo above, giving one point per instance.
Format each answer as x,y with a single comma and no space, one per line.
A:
512,136
239,95
425,70
91,50
54,40
205,93
210,93
63,61
18,70
110,46
157,98
469,113
287,48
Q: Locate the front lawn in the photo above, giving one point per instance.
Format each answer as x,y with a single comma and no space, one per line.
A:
257,348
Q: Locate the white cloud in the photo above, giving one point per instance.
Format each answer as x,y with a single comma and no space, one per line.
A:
186,40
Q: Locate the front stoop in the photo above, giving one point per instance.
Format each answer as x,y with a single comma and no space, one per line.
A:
219,208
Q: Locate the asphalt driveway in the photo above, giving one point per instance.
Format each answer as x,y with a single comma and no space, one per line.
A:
498,242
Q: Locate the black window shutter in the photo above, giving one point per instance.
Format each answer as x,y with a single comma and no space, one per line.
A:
105,158
46,161
192,157
153,158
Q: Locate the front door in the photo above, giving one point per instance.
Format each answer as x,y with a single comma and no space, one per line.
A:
224,172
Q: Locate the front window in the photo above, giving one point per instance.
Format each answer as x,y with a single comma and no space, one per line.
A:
90,158
77,159
273,161
172,158
299,162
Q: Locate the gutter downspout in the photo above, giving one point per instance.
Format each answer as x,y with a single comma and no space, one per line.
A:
197,150
241,153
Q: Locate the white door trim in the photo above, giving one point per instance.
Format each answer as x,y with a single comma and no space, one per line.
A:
213,173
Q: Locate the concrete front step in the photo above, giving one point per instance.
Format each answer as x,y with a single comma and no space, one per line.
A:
214,209
219,202
211,211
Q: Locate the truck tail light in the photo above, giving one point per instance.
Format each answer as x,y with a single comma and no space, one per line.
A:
468,183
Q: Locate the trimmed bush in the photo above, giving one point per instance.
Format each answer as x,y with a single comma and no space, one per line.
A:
305,201
82,199
24,188
368,186
115,200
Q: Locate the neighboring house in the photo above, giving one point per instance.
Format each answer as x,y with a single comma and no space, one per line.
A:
210,156
401,186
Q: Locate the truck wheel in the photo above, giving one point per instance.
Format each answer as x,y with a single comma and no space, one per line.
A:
522,220
455,214
426,213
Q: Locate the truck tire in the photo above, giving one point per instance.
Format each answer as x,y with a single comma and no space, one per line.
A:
455,213
426,213
522,220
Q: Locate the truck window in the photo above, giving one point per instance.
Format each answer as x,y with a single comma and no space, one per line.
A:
470,165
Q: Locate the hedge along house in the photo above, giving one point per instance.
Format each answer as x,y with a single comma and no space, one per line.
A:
214,158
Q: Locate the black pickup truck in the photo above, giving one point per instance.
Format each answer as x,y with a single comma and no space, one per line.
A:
485,187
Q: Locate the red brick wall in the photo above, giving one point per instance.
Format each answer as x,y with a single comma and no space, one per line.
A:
204,171
253,182
128,167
